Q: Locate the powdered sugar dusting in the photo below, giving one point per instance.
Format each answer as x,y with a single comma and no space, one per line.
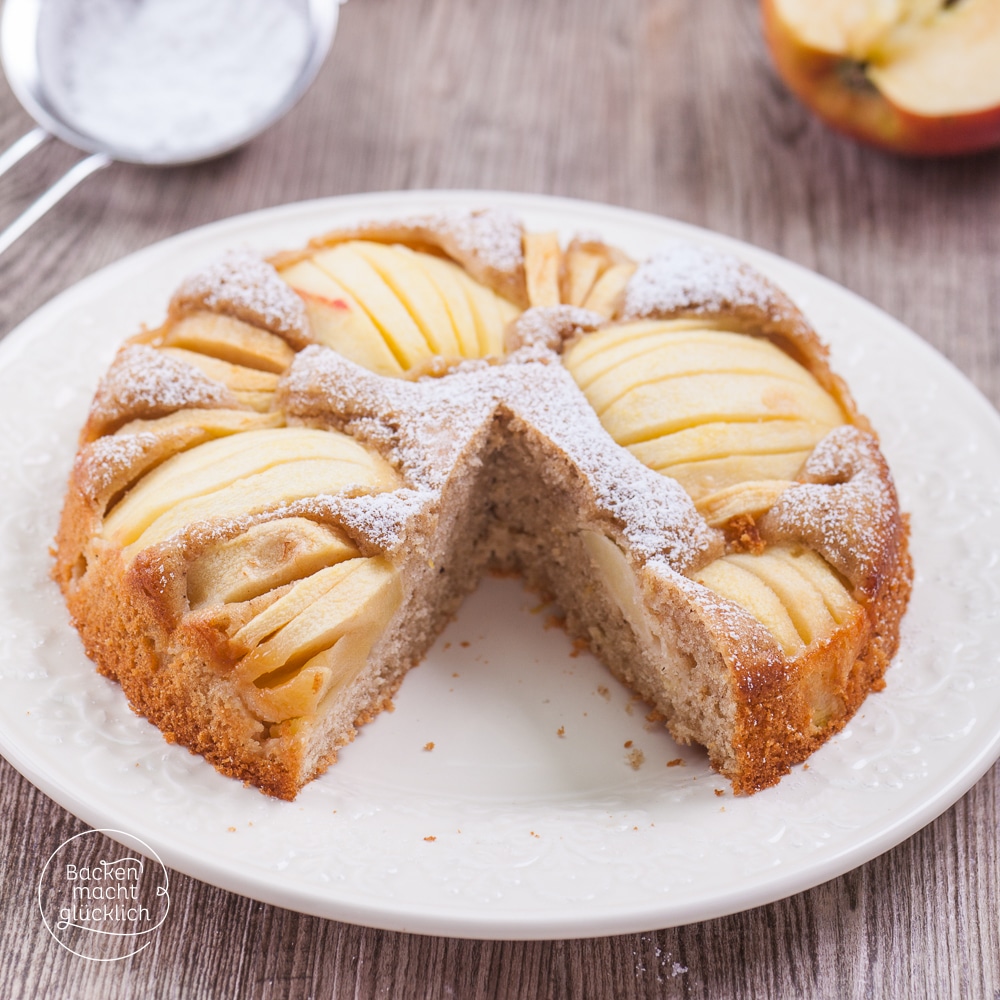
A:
847,510
100,465
681,277
381,520
145,383
438,422
544,331
244,285
493,236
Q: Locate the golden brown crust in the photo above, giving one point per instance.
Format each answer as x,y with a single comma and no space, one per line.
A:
774,730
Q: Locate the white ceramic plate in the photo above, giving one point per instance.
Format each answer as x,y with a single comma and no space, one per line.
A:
507,829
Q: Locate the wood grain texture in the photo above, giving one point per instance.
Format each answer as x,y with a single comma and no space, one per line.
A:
668,106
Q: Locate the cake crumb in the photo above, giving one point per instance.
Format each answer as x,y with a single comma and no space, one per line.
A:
676,762
429,839
719,792
604,692
537,836
561,731
465,644
655,716
429,745
231,829
636,758
628,743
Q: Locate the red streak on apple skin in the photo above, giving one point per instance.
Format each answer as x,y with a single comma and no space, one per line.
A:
332,303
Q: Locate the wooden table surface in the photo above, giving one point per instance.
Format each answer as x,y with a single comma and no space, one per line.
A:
669,106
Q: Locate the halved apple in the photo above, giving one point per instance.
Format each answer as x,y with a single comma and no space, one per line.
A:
918,77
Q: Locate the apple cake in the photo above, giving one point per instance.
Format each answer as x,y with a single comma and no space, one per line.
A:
283,493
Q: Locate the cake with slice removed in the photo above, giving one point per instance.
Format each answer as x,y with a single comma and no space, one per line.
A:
284,492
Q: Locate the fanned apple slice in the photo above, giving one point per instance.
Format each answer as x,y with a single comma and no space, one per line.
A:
337,319
732,354
347,267
229,340
449,279
239,378
747,590
701,479
606,293
267,556
804,604
286,676
596,354
720,440
300,692
751,498
280,484
291,604
492,314
489,325
542,263
581,270
415,290
217,464
817,571
654,410
358,601
213,423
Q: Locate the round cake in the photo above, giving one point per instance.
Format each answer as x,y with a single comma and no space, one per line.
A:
283,493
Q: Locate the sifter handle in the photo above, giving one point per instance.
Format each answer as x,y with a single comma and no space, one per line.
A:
59,190
21,148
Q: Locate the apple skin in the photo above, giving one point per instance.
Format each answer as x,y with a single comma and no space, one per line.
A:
836,89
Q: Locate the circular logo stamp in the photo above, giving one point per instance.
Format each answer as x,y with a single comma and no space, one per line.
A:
103,900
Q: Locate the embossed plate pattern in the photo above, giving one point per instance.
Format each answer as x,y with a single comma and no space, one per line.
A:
508,828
